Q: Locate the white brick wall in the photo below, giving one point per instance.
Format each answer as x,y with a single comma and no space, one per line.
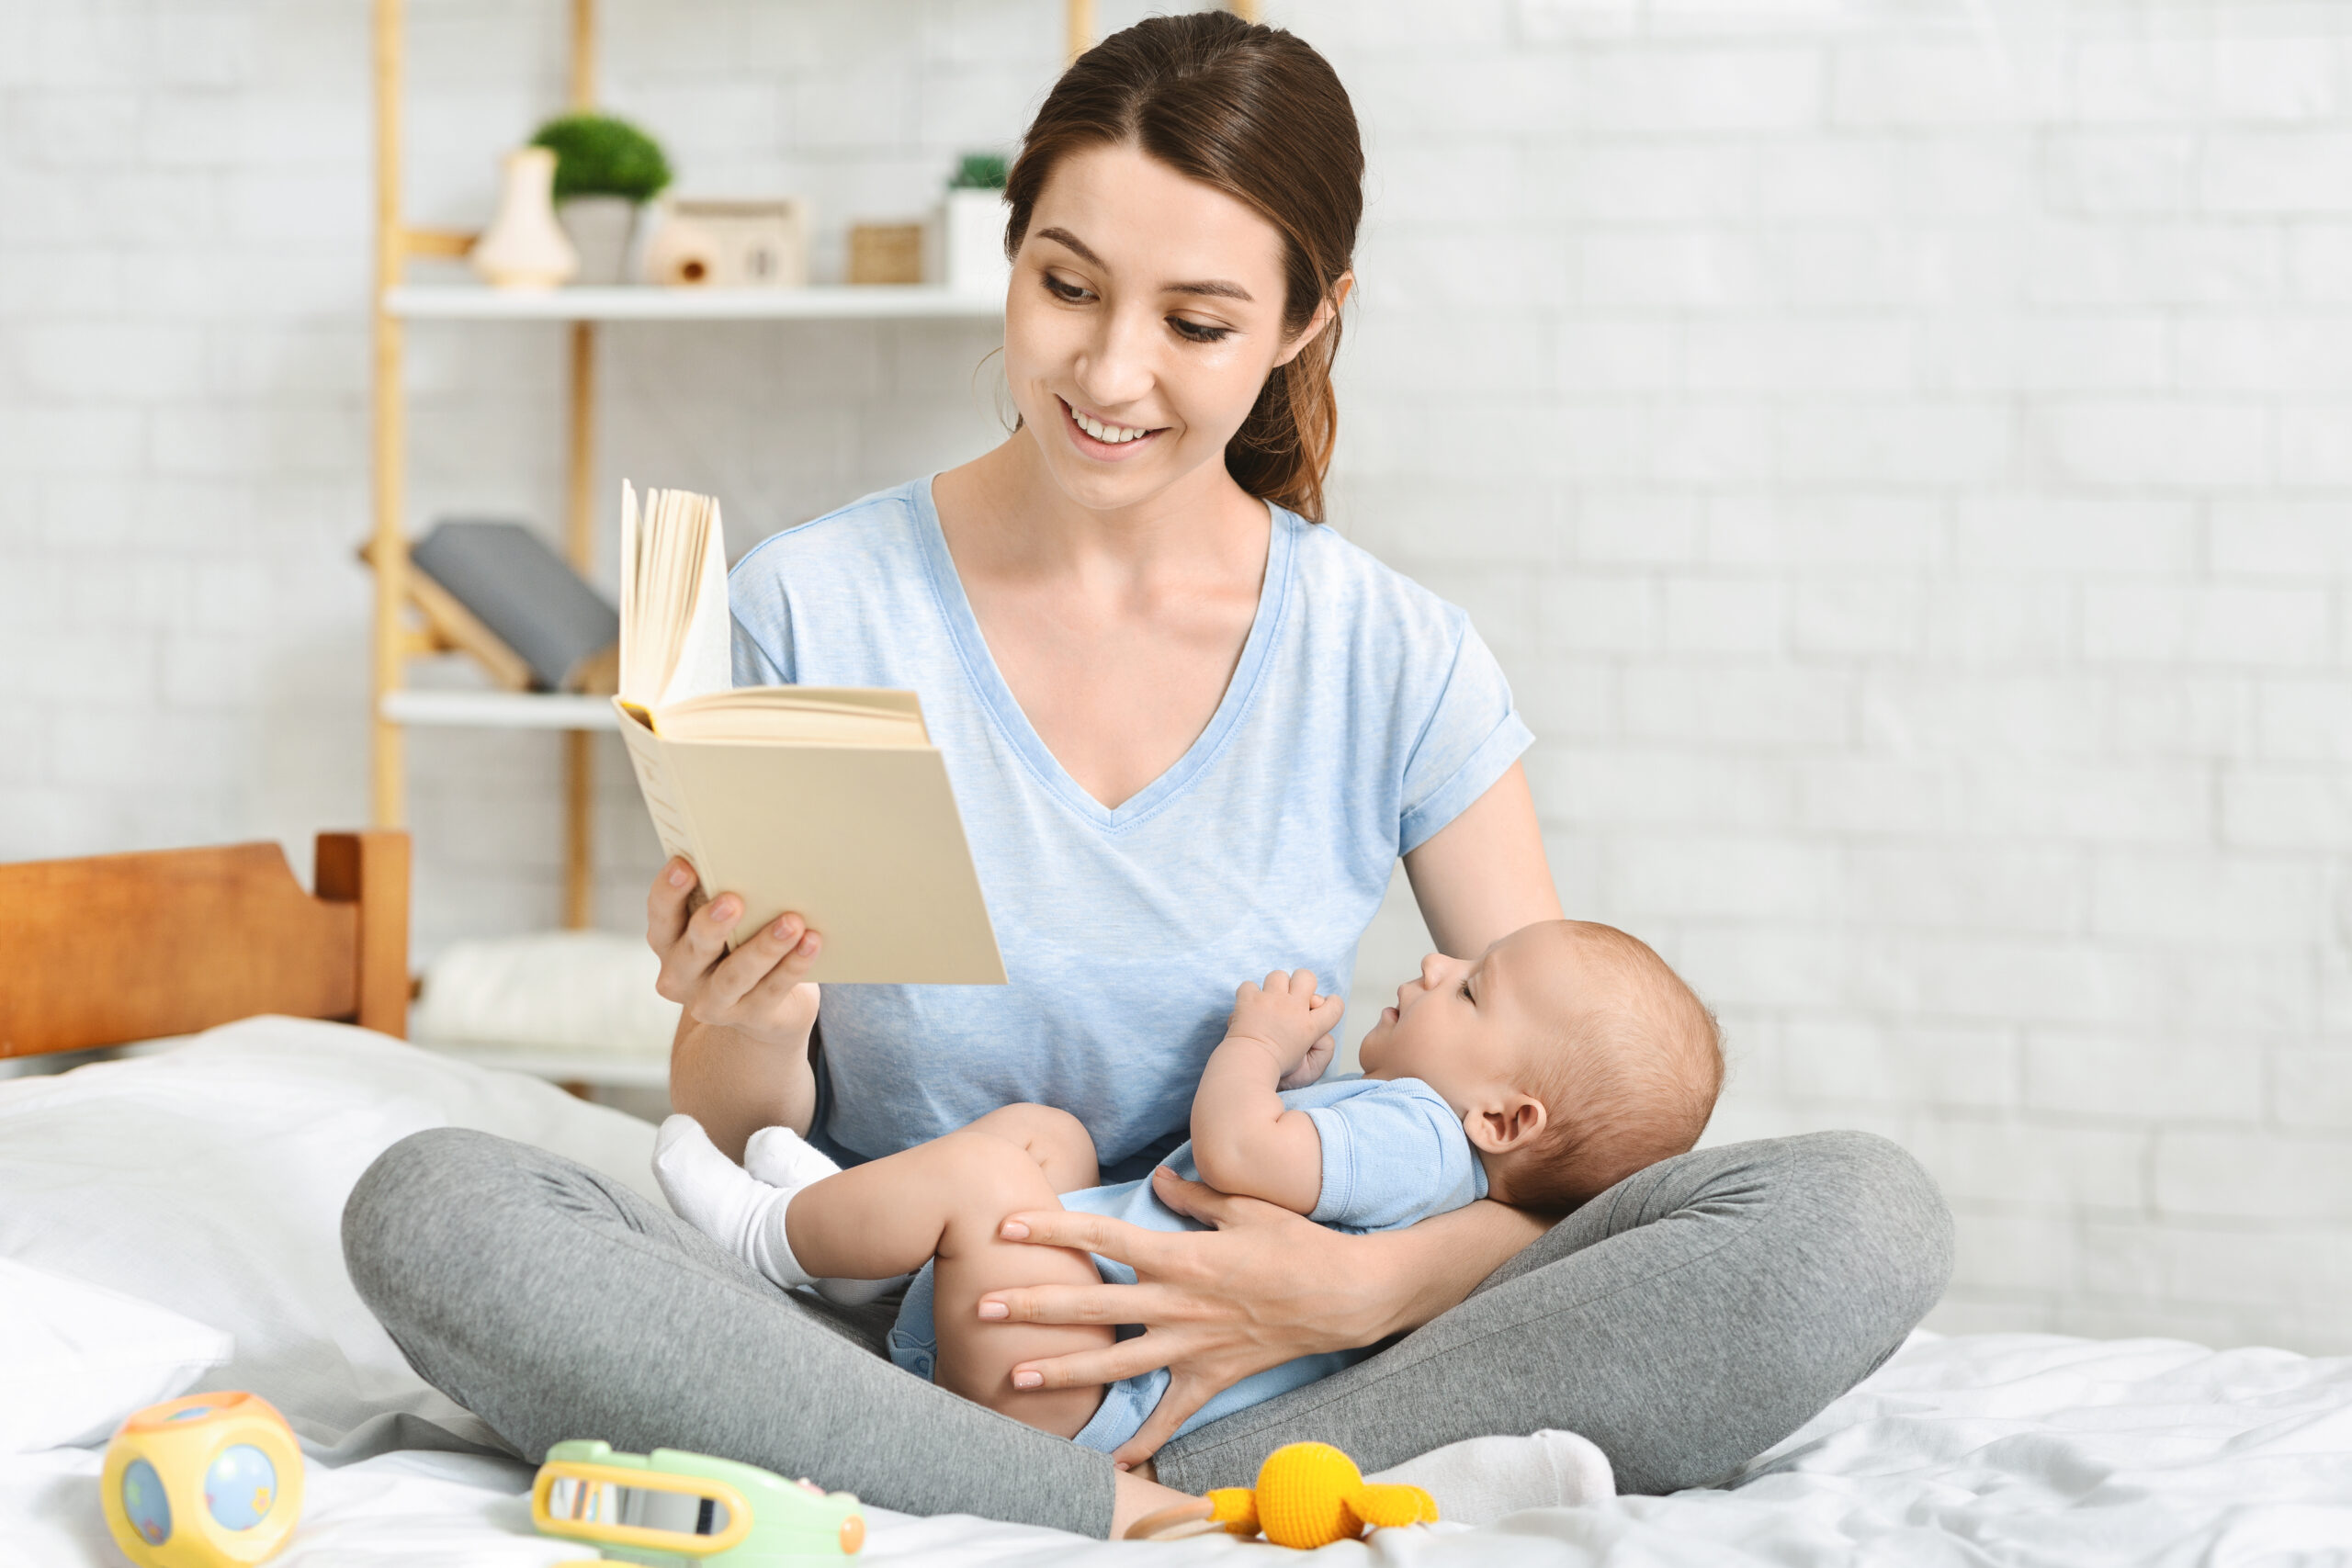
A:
1901,452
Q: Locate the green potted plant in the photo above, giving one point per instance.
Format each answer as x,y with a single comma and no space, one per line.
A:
971,224
605,169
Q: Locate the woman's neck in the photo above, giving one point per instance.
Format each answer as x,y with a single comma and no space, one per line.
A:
1004,515
1115,631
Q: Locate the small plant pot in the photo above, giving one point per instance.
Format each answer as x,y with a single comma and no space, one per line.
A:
602,229
972,241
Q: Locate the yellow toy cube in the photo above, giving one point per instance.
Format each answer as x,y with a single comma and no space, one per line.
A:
204,1481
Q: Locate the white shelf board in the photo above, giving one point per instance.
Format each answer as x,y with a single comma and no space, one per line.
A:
500,710
475,302
559,1066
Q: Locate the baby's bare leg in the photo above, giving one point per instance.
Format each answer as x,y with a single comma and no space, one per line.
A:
1057,1140
946,1200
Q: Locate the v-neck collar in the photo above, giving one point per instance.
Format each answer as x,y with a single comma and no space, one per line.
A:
1013,722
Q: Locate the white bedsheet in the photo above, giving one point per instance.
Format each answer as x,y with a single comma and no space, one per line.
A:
210,1178
1986,1449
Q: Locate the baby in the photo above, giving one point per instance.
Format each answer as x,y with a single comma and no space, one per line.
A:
1565,1058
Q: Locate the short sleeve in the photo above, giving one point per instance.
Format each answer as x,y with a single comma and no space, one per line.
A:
1393,1156
1472,735
753,665
760,622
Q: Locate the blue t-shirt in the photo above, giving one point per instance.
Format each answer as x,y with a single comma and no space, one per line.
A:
1393,1153
1363,716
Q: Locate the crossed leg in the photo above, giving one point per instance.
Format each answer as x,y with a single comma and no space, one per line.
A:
944,1200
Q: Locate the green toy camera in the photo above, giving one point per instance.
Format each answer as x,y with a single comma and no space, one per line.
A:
673,1507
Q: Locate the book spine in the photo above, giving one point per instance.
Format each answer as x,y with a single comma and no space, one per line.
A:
671,823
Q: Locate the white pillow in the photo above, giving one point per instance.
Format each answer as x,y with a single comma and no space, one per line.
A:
567,991
210,1178
76,1360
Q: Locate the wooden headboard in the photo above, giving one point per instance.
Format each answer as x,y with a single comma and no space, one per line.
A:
115,948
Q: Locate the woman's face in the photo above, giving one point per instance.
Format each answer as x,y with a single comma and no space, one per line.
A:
1145,313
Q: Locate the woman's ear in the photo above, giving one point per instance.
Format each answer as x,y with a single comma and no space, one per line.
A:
1512,1122
1324,315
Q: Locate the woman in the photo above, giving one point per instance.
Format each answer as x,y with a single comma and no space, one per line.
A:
1191,731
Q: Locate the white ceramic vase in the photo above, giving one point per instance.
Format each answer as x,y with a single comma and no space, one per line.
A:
600,228
525,247
971,237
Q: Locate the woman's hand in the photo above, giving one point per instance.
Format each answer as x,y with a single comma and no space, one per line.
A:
757,990
741,1060
1263,1287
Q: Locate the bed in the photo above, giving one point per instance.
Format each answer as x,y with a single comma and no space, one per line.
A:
169,1222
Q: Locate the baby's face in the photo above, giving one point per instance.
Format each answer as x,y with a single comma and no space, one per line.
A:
1462,1026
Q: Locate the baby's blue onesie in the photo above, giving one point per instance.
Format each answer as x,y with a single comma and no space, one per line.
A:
1393,1153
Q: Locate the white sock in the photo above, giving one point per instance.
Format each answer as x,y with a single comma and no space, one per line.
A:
724,1202
782,1158
1479,1480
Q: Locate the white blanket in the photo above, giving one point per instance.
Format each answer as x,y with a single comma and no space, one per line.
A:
1986,1449
2023,1450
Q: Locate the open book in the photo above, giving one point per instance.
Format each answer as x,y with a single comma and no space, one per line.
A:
831,801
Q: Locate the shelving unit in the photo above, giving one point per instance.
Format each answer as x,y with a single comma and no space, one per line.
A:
873,301
410,619
496,710
406,627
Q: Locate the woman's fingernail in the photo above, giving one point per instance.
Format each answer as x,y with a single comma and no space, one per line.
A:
995,1309
1121,1464
1013,1230
680,877
725,909
784,929
811,944
1027,1380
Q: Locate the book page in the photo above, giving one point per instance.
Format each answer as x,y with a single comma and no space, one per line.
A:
812,715
705,659
637,684
676,634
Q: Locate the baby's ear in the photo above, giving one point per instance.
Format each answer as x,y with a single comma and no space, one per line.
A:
1511,1122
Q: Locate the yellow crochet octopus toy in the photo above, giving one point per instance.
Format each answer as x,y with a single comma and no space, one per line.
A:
1309,1495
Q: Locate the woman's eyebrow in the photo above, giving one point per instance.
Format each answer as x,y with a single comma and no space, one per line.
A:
1065,238
1217,286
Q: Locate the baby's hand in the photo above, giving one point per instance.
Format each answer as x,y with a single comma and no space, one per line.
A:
1285,1015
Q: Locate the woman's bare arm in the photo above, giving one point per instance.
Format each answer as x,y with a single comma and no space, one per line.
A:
1265,1286
739,1061
1483,876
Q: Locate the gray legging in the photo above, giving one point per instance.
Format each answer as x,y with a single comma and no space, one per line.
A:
1685,1320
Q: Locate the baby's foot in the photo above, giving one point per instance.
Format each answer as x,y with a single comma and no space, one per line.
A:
783,1159
724,1202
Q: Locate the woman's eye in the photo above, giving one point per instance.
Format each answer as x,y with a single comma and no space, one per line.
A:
1062,290
1466,994
1193,331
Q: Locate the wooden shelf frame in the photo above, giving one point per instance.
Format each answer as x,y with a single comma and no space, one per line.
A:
638,303
398,588
401,593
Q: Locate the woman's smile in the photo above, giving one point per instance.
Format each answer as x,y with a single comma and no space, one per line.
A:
1102,440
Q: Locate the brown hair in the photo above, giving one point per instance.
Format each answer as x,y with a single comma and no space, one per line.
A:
1254,112
1632,1080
